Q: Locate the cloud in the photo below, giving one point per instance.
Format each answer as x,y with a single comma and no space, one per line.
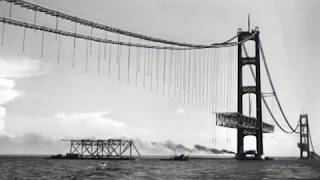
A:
31,144
95,124
7,94
180,111
15,68
2,114
21,67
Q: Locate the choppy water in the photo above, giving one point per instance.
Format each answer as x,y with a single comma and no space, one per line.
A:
42,168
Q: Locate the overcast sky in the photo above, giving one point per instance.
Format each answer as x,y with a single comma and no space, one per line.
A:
39,95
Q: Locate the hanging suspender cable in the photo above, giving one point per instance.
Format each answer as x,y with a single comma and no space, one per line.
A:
194,79
211,78
214,79
148,63
42,42
193,91
209,107
2,33
197,71
207,78
228,81
129,56
170,72
118,57
57,24
105,46
24,39
224,80
87,55
118,49
119,63
189,68
157,68
99,57
138,63
91,33
200,79
205,85
110,58
151,69
59,48
35,19
184,76
74,45
202,76
10,10
174,75
144,67
164,71
179,75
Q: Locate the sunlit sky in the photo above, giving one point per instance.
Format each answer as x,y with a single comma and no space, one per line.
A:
39,95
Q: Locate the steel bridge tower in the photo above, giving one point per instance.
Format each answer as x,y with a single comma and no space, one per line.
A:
243,60
304,137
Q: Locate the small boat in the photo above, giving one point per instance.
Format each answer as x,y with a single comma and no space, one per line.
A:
182,157
67,156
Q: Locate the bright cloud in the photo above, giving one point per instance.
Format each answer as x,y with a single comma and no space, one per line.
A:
15,68
2,114
180,111
21,67
7,93
97,124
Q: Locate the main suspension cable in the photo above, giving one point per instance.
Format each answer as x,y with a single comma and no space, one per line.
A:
263,98
273,89
311,140
51,12
57,14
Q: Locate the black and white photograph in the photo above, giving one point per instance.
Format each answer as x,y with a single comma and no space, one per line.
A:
159,89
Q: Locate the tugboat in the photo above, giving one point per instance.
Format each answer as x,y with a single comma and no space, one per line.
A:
182,157
67,156
175,157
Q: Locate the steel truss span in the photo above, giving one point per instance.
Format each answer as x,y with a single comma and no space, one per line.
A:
236,120
102,149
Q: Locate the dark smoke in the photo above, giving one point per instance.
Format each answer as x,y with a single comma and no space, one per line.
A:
170,147
174,147
212,150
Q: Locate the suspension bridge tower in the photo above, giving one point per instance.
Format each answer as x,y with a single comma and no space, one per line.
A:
254,60
304,137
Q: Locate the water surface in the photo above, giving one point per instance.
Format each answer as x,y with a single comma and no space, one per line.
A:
44,168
